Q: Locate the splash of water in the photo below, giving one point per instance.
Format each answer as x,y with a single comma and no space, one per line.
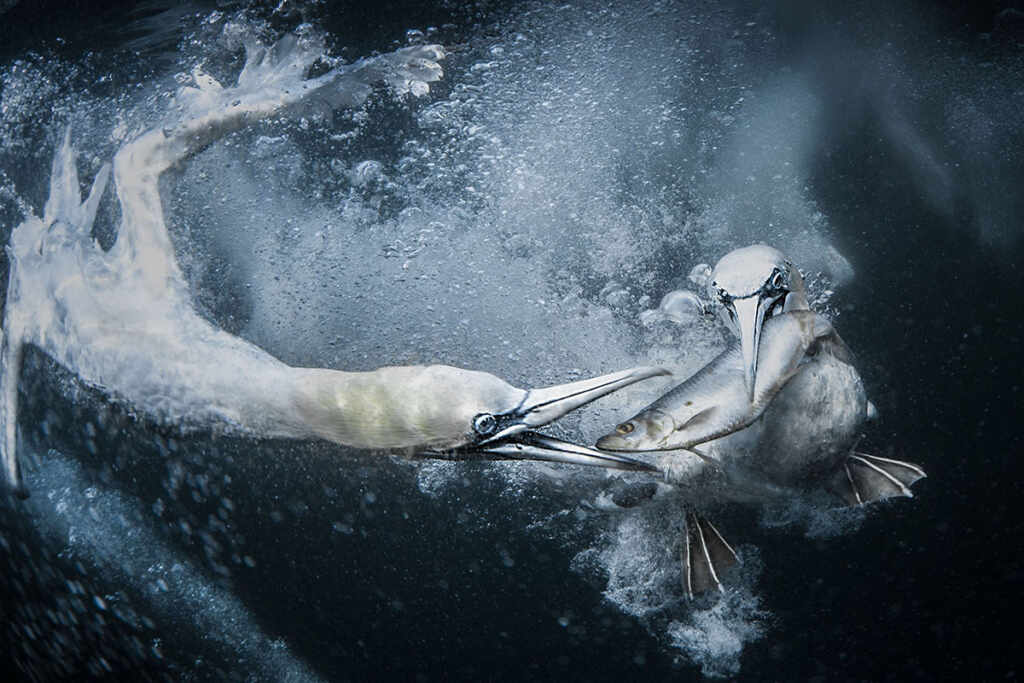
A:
516,224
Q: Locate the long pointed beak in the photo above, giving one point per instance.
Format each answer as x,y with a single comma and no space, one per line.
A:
533,446
544,406
750,319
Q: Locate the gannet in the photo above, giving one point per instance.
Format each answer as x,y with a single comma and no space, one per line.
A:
714,401
122,319
778,413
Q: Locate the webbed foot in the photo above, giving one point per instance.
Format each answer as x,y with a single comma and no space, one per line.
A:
706,555
864,478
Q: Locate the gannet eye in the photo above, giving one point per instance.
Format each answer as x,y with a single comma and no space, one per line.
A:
625,428
777,281
484,424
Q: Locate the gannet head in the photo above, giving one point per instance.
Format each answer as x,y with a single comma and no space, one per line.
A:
752,284
451,413
504,422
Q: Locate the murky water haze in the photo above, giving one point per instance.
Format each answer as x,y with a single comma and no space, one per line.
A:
574,160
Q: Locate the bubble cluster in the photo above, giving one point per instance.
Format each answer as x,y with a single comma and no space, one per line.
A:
521,220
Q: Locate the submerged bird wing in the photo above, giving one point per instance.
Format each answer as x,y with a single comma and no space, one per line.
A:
67,217
274,79
10,371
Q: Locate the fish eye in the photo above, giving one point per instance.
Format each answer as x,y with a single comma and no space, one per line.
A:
484,424
625,428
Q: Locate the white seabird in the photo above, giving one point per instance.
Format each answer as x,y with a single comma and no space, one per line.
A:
778,413
122,319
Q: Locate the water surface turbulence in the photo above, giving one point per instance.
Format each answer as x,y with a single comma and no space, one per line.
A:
524,215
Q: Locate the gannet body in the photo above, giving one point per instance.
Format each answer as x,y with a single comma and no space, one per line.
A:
775,415
122,319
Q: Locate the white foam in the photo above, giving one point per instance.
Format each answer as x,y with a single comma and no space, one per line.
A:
819,519
516,228
714,638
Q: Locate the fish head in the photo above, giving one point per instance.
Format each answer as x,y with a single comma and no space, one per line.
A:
649,430
504,418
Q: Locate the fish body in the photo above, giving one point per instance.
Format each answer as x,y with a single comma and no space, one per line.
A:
776,415
809,406
714,402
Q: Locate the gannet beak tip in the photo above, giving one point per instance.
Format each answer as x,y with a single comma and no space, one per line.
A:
533,446
544,406
749,320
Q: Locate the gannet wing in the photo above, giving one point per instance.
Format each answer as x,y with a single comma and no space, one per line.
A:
10,372
65,217
273,81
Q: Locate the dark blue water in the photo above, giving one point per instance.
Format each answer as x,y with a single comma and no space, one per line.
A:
917,163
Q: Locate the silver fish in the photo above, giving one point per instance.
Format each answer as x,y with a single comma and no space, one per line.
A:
715,402
795,431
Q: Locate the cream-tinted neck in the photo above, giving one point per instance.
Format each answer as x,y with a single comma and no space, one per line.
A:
396,407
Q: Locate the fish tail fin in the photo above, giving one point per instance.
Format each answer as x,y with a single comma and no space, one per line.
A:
864,478
706,555
10,371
